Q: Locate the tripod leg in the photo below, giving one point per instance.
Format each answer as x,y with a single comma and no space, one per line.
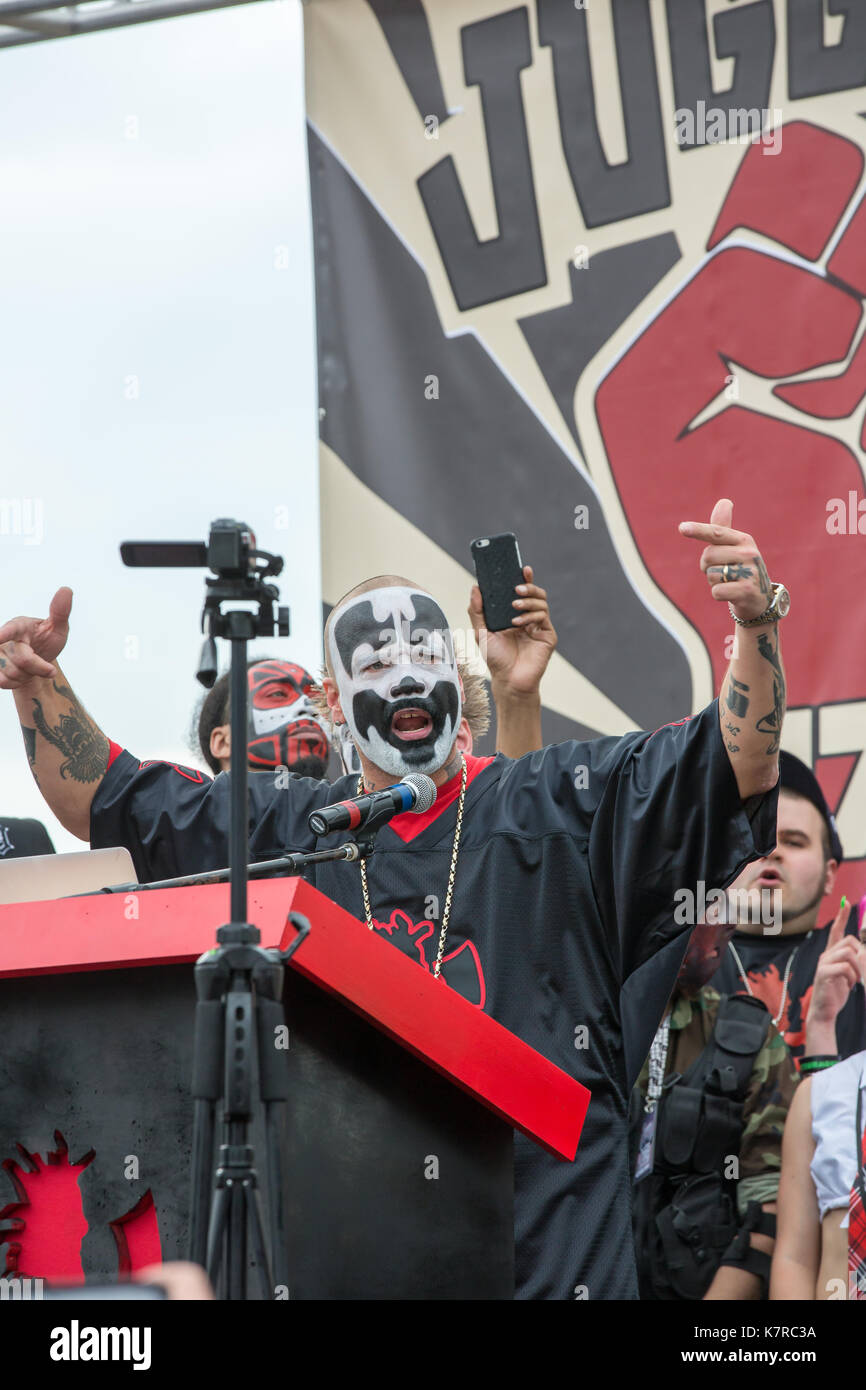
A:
275,1125
237,1264
211,978
202,1161
218,1214
257,1238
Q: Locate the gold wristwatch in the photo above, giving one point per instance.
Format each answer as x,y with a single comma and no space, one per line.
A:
778,607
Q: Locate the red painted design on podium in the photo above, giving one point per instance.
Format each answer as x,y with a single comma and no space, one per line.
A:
45,1227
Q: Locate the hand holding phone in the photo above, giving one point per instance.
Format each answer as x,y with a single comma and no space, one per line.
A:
498,569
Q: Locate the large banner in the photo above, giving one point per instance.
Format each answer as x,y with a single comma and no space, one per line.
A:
582,269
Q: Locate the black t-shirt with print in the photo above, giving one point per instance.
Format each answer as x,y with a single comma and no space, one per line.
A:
569,861
765,960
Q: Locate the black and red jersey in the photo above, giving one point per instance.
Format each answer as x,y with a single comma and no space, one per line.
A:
564,896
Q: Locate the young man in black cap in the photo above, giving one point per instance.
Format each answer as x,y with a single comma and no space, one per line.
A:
778,960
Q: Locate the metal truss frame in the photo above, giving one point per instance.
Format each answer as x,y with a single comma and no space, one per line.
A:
23,22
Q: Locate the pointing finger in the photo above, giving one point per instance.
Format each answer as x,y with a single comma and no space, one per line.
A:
837,931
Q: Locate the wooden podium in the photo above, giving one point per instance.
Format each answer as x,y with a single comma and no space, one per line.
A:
404,1097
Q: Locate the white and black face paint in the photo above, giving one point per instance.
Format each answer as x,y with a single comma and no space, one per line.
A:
393,660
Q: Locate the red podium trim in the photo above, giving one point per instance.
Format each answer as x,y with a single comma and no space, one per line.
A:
394,993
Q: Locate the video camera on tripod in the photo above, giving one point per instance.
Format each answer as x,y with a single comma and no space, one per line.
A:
240,571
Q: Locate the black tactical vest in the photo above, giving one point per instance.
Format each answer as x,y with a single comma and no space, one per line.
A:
685,1210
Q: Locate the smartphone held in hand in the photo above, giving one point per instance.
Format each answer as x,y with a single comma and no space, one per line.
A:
498,569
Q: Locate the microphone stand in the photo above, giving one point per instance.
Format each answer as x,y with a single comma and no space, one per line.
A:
291,865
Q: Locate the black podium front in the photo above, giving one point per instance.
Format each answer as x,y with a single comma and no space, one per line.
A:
411,1180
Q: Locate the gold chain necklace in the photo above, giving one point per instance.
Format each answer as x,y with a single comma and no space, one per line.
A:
447,912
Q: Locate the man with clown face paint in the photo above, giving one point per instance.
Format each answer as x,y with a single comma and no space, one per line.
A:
541,888
392,654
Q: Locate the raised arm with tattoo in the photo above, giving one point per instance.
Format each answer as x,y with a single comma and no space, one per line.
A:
752,699
68,754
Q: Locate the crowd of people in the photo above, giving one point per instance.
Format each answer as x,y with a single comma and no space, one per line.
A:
723,1153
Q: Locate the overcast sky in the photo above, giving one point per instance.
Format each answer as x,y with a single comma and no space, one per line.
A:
157,350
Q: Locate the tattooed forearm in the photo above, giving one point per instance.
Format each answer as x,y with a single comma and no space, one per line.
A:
30,749
83,746
29,743
772,723
736,698
751,731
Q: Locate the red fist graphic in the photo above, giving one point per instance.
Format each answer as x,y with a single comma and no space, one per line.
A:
727,393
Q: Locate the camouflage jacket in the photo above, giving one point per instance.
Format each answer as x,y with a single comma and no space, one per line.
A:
769,1096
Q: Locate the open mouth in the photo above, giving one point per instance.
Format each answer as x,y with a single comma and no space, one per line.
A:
409,724
768,879
305,729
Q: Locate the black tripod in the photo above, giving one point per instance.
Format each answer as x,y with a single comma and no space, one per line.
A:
239,984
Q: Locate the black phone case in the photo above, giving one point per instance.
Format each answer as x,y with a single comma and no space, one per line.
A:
498,570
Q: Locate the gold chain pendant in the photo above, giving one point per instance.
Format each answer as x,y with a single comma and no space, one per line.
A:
368,913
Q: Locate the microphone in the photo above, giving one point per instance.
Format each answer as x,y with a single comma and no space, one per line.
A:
414,793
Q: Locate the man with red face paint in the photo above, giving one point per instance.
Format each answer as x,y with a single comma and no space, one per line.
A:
284,728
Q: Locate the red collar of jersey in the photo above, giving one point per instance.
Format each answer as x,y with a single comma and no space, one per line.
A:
410,824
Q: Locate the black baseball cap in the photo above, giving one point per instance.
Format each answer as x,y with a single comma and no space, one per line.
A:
795,776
